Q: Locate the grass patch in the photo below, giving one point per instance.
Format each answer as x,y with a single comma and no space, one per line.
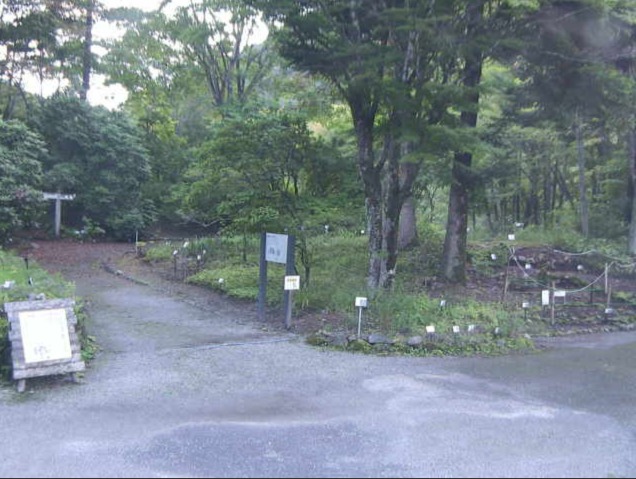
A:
333,269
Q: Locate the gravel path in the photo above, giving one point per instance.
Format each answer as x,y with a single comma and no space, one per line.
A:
188,385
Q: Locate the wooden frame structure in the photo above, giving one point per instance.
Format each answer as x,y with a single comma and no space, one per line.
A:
43,339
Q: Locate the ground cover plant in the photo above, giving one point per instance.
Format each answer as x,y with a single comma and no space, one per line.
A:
498,310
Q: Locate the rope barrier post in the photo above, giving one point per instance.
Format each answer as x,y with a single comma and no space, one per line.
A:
552,286
505,288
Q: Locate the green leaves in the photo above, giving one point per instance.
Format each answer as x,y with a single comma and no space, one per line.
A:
20,176
98,155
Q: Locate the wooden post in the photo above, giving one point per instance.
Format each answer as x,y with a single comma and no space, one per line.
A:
552,286
262,282
505,289
290,269
288,311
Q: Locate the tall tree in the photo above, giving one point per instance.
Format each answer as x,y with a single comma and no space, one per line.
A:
454,256
569,69
87,57
376,56
212,41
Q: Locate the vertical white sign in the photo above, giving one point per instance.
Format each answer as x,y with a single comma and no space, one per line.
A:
276,248
545,297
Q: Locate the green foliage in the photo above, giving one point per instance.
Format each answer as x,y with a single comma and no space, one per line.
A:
41,39
486,258
90,230
265,171
405,310
241,281
99,156
21,152
88,343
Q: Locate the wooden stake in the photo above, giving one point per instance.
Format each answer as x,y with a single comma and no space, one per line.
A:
505,289
552,303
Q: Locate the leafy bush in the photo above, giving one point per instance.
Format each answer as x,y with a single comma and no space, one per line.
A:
20,177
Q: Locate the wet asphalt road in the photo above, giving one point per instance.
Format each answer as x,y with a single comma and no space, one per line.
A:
182,390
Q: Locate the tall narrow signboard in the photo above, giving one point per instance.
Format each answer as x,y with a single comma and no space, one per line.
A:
275,248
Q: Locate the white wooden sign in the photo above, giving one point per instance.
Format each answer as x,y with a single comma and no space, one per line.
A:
361,302
276,248
292,283
45,335
545,297
58,196
43,339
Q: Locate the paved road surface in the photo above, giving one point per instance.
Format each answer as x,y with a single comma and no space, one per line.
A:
183,390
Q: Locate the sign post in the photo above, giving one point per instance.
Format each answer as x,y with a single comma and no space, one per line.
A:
292,283
275,248
361,303
58,197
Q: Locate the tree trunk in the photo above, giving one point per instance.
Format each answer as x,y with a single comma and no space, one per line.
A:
632,169
453,268
408,224
371,177
583,204
407,234
392,208
454,257
87,57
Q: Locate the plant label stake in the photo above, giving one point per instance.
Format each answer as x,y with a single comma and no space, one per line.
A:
525,305
361,303
292,283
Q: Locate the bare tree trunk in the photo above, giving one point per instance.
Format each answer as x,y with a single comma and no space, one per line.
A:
453,268
392,208
632,169
454,258
407,234
583,203
371,177
87,59
408,224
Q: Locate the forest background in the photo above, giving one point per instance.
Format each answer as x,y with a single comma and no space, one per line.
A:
405,139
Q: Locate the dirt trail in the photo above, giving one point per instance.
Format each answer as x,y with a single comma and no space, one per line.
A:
85,263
